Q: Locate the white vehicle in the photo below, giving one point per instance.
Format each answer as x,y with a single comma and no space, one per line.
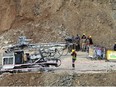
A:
15,61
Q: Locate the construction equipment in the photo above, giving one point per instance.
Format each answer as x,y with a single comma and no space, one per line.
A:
31,56
15,61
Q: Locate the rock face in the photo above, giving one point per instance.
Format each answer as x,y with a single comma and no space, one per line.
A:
61,79
52,20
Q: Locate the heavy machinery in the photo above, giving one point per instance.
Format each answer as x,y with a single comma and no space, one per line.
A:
18,60
29,57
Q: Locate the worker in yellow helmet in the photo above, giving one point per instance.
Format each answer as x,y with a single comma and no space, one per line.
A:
74,55
90,40
83,33
84,36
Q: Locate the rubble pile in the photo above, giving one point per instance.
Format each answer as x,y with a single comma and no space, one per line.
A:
61,79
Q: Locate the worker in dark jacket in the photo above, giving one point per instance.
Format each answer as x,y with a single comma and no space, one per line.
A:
74,55
83,42
90,40
77,40
115,46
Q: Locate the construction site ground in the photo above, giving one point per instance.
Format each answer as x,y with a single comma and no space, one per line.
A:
87,72
84,64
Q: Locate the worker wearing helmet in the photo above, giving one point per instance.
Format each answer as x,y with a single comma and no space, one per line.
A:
74,55
115,46
84,36
90,40
83,42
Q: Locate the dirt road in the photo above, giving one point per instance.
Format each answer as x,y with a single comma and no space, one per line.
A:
84,64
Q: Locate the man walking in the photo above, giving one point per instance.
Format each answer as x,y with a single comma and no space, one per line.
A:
74,55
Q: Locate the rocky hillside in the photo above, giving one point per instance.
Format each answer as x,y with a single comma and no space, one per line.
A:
58,79
52,20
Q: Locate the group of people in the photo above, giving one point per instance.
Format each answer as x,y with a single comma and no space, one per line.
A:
85,42
80,43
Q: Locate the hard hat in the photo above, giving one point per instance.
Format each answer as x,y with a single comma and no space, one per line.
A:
83,33
90,36
73,50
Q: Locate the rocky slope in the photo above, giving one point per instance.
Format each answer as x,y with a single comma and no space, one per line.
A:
61,79
52,20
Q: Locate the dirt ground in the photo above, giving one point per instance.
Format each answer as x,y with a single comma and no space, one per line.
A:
86,64
59,79
87,73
